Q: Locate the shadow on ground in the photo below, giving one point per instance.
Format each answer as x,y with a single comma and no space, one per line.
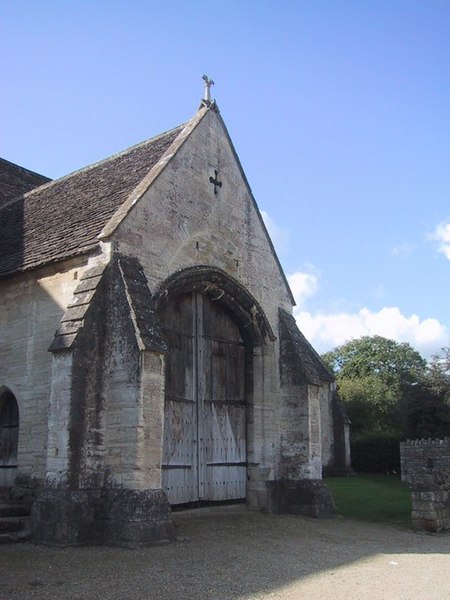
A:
234,553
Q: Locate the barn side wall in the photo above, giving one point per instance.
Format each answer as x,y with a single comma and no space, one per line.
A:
31,307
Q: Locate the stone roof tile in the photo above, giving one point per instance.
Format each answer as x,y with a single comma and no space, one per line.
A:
63,218
299,362
16,180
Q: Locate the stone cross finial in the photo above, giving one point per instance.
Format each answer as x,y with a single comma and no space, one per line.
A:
208,84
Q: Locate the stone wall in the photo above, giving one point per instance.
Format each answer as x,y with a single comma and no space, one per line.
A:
180,223
417,455
31,307
425,466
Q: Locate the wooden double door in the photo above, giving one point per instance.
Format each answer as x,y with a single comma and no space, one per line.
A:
204,449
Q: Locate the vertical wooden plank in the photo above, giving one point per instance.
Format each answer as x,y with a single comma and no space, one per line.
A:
222,466
180,461
199,384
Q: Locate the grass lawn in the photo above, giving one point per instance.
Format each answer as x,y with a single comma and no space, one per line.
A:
372,497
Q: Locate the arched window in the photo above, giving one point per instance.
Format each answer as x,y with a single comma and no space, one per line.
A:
9,438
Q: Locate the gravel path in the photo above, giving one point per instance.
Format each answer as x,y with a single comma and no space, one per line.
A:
233,553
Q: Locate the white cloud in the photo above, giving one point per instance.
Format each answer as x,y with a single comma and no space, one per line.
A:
326,331
278,235
402,250
442,235
303,286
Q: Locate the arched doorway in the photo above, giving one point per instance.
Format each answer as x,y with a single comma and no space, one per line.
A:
9,438
204,449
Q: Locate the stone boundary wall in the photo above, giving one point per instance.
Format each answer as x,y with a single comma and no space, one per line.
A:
425,466
416,455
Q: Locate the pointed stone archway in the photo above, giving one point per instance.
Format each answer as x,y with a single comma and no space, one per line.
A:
211,325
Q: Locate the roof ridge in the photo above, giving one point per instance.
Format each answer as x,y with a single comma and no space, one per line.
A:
103,161
94,165
22,168
16,180
143,185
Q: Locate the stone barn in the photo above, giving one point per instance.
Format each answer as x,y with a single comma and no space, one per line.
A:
148,353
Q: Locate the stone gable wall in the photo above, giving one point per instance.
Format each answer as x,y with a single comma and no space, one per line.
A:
180,223
425,465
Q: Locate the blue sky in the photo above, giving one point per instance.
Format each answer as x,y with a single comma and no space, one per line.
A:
339,111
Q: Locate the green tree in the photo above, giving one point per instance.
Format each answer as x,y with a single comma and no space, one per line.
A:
390,393
370,403
427,411
376,377
375,355
425,414
438,375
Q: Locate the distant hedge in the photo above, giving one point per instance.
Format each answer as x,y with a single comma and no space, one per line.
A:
380,454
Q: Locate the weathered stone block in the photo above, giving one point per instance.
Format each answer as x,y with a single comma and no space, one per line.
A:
309,497
88,517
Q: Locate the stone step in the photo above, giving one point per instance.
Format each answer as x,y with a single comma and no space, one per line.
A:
15,537
13,530
8,509
9,524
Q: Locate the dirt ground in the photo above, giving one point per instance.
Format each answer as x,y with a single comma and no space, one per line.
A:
233,553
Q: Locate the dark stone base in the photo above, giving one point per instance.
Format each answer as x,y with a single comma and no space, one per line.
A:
309,497
25,490
113,517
